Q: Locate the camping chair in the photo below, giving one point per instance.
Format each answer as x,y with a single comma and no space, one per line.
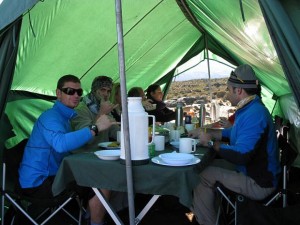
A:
287,156
22,206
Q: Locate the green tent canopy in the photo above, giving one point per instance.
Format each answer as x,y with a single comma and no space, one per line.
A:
42,40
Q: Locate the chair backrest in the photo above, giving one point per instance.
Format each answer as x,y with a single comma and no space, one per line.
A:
288,154
12,157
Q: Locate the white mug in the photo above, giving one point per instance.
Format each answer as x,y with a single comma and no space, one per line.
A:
189,127
174,135
187,145
159,141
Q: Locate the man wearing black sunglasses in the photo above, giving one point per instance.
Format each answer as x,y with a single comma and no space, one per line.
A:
52,139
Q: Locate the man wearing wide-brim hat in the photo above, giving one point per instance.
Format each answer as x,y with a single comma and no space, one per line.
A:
252,148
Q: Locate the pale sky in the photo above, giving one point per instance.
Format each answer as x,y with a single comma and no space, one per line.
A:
200,71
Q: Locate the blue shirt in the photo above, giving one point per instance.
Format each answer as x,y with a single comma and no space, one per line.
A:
50,141
253,144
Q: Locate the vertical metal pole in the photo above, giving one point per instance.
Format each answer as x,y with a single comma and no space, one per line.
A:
125,112
208,68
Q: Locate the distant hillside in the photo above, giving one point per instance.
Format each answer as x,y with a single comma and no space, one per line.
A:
195,92
198,89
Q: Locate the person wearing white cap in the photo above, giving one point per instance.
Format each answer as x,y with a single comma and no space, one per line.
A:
252,148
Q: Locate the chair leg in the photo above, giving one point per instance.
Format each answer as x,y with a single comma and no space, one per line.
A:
219,203
9,216
226,209
81,209
2,209
284,194
218,215
278,195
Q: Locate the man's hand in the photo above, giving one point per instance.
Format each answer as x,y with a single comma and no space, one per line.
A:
104,122
106,107
204,137
225,122
194,133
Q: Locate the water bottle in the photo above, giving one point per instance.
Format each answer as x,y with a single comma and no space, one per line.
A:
202,114
214,111
138,128
179,115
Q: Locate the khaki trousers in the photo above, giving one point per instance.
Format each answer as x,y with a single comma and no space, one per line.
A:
204,194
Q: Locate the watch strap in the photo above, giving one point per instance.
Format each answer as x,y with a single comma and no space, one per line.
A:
94,128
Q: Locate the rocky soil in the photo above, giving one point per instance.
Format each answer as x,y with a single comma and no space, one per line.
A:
192,93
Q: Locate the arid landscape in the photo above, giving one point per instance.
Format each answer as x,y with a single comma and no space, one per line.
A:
198,88
195,92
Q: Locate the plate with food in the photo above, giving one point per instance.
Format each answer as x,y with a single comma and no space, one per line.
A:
110,145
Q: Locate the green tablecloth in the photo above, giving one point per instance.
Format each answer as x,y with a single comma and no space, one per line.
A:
88,170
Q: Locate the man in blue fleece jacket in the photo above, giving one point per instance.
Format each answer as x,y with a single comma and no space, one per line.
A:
252,148
52,139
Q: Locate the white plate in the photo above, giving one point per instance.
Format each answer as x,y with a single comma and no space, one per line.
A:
175,144
108,154
176,158
159,161
106,145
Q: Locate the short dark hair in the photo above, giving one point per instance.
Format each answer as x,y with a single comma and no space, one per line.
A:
151,88
134,92
254,91
67,78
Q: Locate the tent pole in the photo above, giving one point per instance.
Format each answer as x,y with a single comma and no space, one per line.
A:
125,112
208,67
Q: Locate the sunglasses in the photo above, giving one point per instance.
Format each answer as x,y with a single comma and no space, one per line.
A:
72,91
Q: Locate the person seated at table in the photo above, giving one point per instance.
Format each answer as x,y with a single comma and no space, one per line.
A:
115,98
162,113
95,104
139,92
52,139
252,148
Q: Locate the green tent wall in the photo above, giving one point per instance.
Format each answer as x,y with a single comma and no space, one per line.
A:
62,36
43,40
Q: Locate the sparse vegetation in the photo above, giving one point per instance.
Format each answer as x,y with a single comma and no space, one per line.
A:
198,89
195,92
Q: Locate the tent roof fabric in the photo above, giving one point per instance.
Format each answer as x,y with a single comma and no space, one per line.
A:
64,37
70,37
61,37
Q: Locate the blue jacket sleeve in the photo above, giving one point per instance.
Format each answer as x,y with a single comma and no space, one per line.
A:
59,135
244,136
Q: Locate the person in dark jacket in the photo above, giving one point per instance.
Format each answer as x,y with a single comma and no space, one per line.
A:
162,113
252,148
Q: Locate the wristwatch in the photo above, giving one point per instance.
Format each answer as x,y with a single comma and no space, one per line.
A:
210,143
94,128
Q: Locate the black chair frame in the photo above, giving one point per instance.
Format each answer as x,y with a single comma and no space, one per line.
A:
287,156
20,203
